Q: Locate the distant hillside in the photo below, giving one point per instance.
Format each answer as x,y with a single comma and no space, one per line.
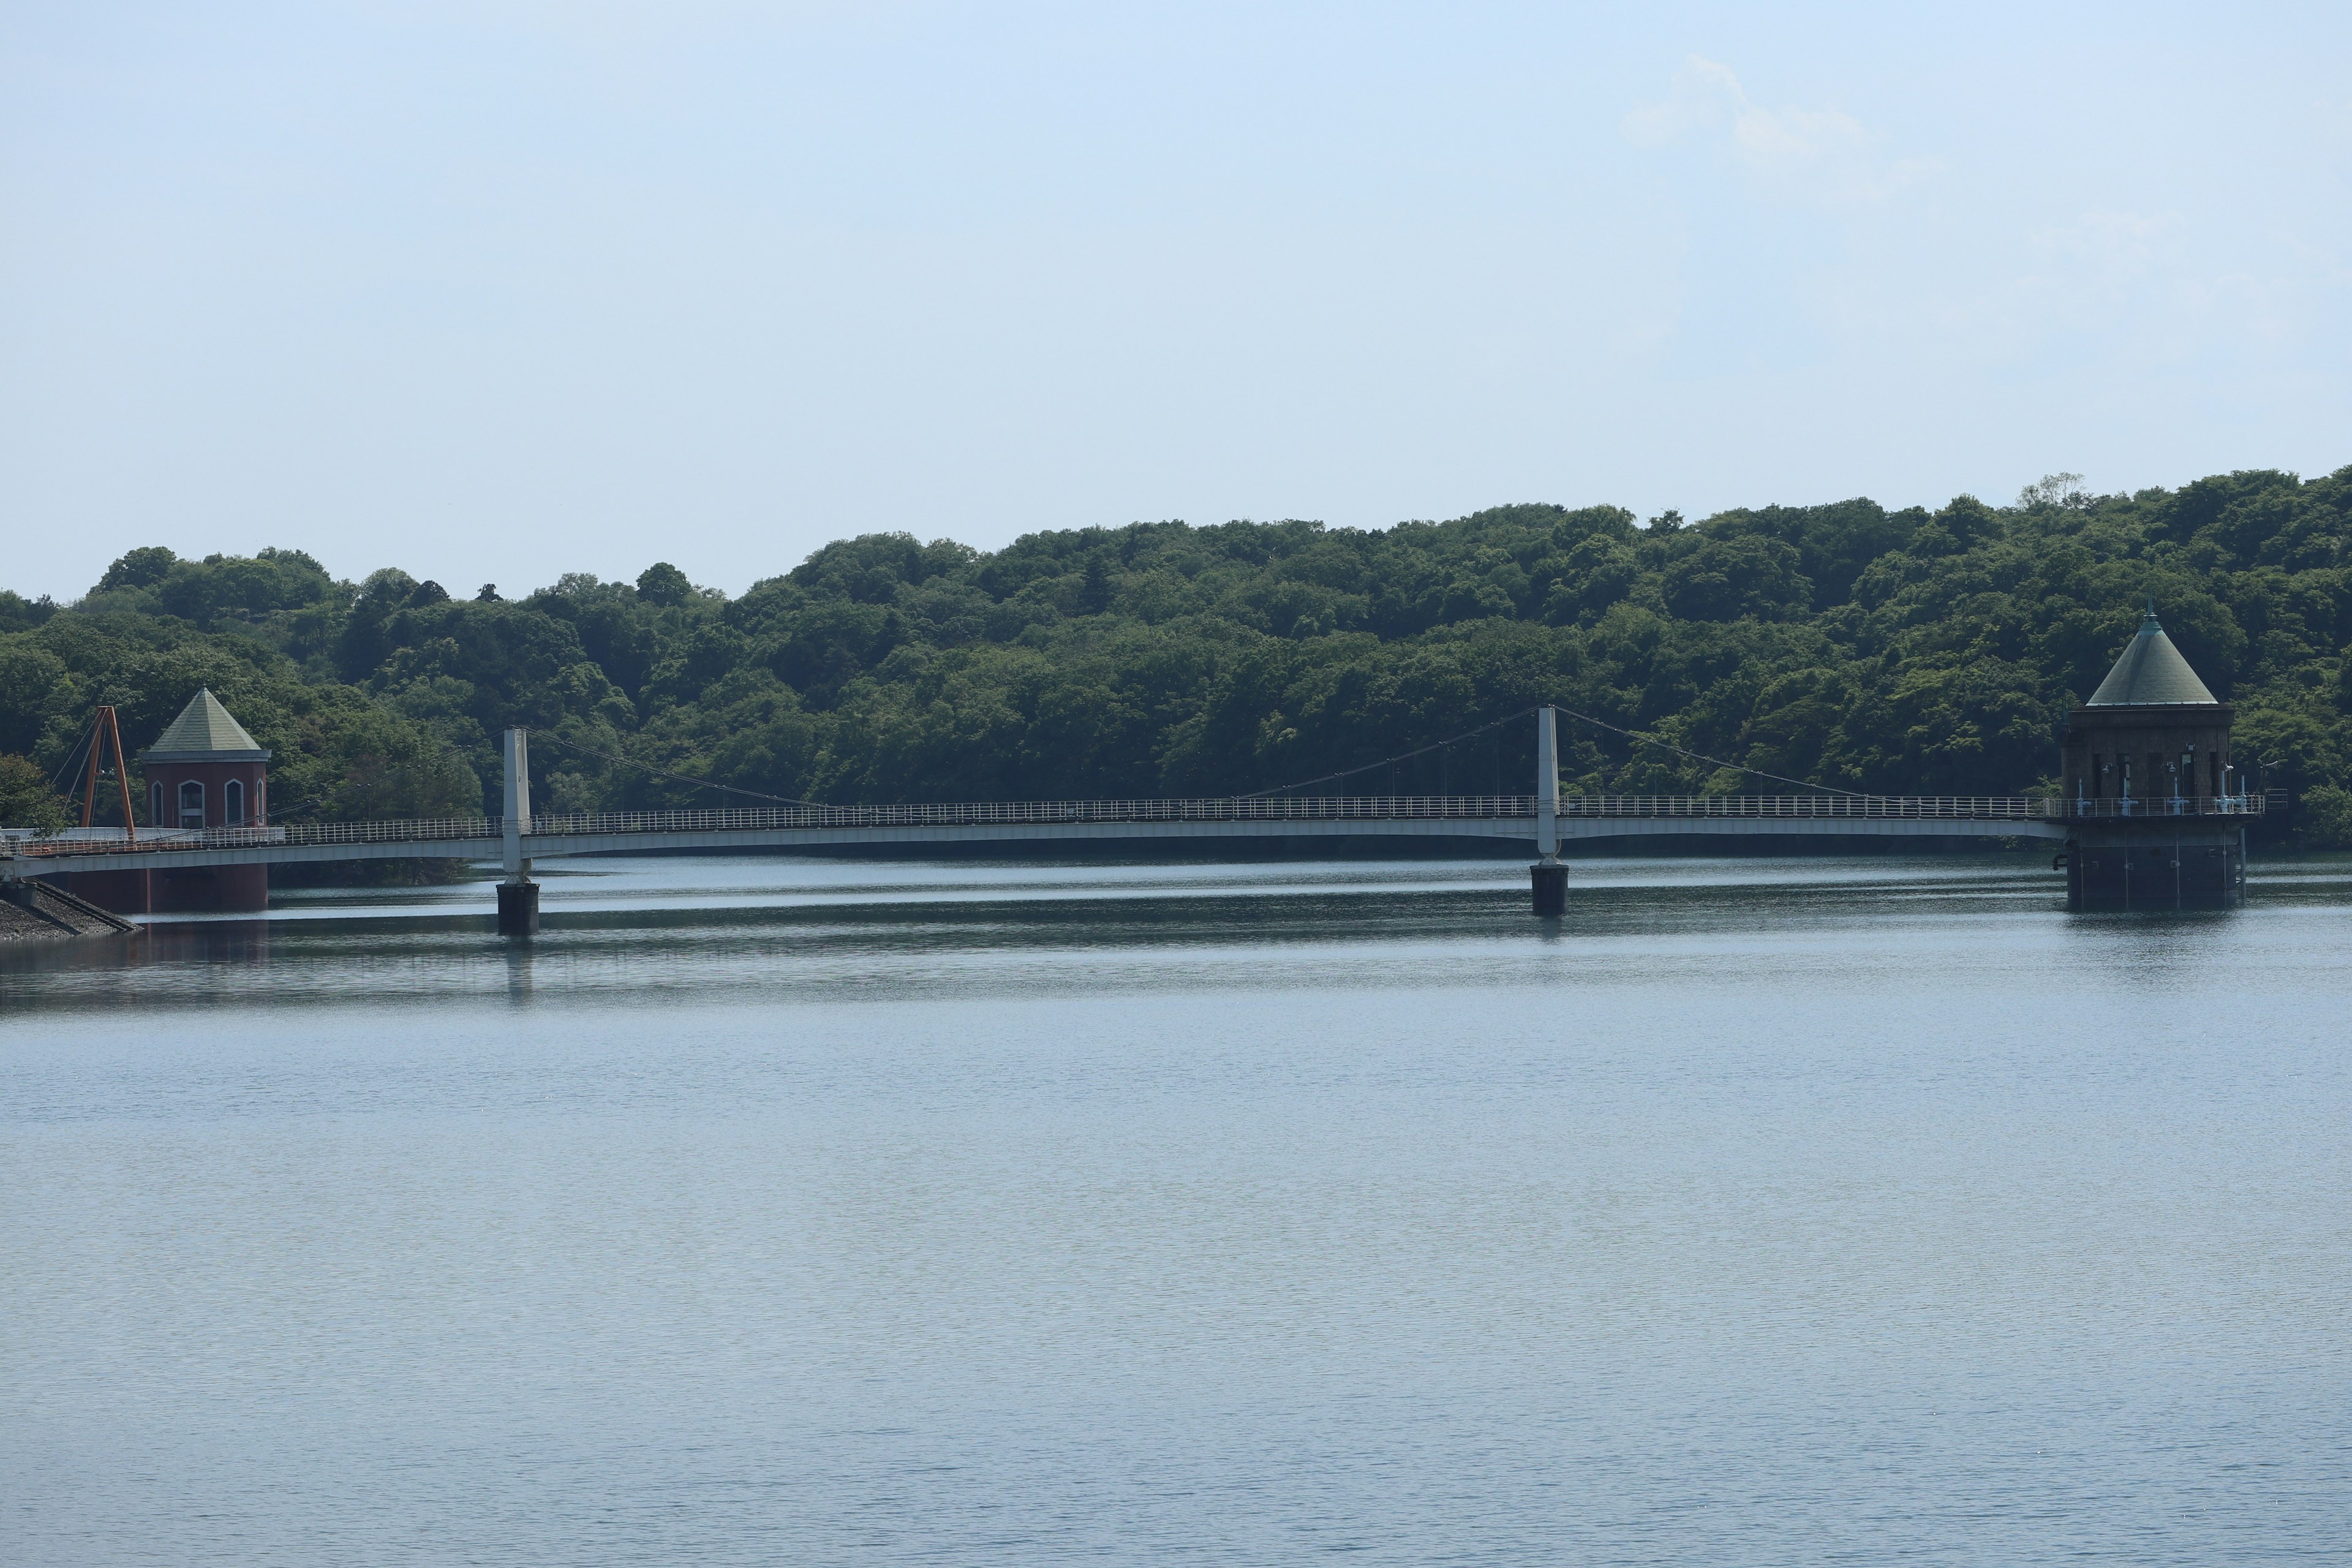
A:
1909,652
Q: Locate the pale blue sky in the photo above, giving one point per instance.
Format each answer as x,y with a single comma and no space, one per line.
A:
492,291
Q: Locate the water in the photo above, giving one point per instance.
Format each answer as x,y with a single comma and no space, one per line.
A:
1768,1212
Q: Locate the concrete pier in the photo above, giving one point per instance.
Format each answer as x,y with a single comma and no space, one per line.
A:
2156,865
517,908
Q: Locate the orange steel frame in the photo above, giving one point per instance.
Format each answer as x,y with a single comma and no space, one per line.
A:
104,729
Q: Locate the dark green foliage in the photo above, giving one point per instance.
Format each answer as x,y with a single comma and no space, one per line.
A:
1905,652
25,798
141,568
663,583
1737,578
19,614
373,764
266,592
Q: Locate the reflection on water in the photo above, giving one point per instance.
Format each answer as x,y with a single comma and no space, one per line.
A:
626,932
780,1210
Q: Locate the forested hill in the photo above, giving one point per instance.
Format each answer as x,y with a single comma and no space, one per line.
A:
1910,652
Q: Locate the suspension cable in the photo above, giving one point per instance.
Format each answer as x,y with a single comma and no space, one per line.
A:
660,772
1636,735
1702,756
72,763
1386,762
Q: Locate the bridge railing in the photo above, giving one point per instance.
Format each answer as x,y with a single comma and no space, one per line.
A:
1957,807
2251,805
425,832
1971,809
982,814
114,841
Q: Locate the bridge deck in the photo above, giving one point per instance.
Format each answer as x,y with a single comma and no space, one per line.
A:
1579,817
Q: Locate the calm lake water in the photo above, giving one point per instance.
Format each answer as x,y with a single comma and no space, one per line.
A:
767,1211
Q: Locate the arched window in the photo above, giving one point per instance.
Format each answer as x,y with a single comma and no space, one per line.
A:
233,803
192,805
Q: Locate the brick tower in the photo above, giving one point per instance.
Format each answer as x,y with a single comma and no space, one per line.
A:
204,771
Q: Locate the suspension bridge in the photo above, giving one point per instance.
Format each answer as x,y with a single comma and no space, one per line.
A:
1544,819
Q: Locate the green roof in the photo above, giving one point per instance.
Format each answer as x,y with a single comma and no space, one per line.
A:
2150,671
204,728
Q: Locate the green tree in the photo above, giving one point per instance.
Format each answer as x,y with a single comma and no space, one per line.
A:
663,583
25,798
139,568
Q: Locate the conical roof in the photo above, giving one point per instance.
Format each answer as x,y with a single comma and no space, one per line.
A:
2151,670
205,733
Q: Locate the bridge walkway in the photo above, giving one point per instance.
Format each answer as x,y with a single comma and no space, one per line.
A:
1498,817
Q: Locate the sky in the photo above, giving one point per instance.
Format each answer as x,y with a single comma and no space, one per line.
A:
496,290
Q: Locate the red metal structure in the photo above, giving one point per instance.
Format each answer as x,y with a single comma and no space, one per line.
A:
105,730
123,892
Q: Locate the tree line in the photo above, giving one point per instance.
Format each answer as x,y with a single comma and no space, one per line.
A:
1903,651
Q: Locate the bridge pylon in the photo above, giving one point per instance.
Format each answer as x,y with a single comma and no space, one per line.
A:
518,895
1548,878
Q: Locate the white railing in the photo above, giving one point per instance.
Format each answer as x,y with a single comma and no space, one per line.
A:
425,832
2167,806
1955,808
114,841
985,814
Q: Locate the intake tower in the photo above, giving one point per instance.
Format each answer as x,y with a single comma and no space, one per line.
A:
2156,808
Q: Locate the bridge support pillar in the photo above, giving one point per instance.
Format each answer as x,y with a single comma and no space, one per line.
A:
1550,883
1547,876
2155,865
518,895
518,908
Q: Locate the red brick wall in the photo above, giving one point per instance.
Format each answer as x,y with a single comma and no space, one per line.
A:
213,776
224,888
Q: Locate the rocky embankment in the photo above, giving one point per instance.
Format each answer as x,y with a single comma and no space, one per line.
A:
37,911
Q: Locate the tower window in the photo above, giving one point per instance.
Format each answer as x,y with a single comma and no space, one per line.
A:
192,805
233,803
